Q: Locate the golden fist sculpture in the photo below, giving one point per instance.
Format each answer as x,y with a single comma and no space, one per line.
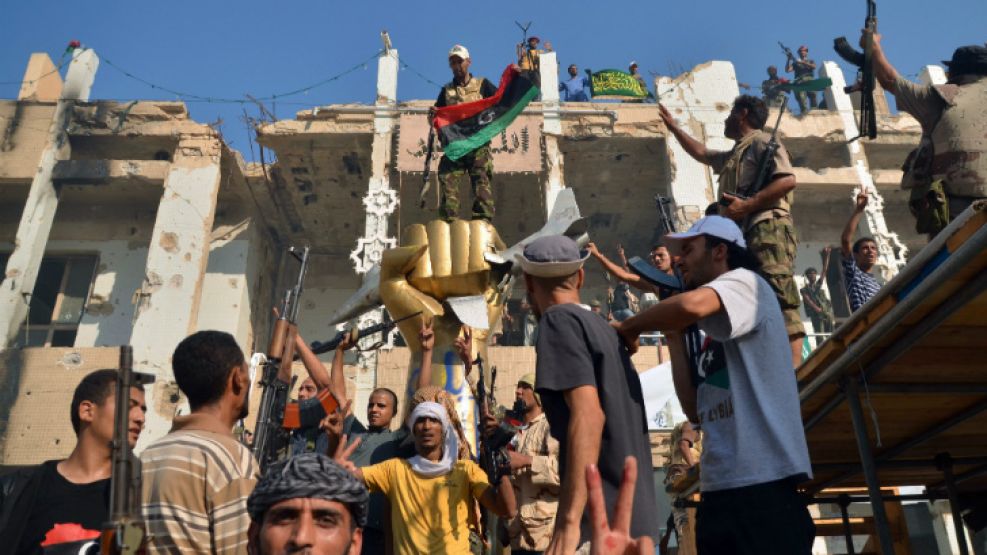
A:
441,263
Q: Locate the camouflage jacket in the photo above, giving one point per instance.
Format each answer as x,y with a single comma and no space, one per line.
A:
536,488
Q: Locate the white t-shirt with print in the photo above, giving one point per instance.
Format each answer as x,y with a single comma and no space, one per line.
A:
748,402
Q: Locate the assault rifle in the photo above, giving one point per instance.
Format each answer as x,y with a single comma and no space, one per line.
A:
492,457
271,438
766,164
644,268
319,347
865,77
124,533
788,52
429,152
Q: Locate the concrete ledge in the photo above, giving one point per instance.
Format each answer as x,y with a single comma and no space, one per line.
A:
110,172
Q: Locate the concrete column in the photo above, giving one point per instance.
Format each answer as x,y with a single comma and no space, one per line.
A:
891,251
380,202
42,201
168,301
700,101
551,129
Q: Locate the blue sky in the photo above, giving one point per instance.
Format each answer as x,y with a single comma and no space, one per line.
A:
229,49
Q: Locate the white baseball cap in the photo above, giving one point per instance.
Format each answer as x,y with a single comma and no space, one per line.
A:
714,226
460,51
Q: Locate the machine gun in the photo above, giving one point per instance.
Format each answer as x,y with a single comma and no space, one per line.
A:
644,268
271,438
124,533
865,81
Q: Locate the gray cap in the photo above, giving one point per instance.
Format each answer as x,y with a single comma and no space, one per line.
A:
552,256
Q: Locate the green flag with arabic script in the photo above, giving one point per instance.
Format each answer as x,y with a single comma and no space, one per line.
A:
617,85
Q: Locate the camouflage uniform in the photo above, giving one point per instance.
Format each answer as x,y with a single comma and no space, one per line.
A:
772,96
954,130
804,72
477,164
770,234
822,322
536,488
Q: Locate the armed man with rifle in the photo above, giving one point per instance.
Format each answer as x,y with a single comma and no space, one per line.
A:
757,188
948,171
804,70
65,502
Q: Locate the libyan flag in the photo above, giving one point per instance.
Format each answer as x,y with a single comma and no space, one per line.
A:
463,128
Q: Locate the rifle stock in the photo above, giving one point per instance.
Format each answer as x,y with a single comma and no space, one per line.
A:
125,533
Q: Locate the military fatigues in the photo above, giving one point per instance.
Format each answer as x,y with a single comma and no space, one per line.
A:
536,488
772,96
953,151
477,164
770,234
822,322
804,72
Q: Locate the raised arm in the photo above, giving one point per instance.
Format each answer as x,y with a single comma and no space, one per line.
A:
615,270
695,149
825,262
885,73
427,337
846,239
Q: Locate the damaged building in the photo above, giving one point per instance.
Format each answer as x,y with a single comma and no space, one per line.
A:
130,223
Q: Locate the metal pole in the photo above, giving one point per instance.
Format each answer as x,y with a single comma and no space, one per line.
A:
870,470
847,531
946,465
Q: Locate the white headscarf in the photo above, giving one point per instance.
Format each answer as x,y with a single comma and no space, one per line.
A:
450,443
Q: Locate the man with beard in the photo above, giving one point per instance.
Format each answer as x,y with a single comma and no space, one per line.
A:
431,494
197,478
859,260
307,504
764,213
61,502
744,398
478,164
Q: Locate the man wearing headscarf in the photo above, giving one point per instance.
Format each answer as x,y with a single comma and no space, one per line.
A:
535,474
307,503
431,494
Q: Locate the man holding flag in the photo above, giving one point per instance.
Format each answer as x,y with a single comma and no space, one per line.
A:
464,88
470,112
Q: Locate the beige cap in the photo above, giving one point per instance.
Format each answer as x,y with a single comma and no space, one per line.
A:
459,51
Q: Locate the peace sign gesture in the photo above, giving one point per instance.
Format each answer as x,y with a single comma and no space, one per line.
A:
342,456
616,540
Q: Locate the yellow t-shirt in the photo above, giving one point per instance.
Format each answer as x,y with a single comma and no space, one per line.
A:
428,515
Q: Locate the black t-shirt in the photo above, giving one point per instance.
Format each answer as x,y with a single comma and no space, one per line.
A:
575,348
60,502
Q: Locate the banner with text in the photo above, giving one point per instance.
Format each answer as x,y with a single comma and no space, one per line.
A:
616,85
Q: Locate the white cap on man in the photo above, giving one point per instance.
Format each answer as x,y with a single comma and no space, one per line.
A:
460,52
714,226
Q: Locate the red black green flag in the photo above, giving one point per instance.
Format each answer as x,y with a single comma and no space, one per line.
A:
462,128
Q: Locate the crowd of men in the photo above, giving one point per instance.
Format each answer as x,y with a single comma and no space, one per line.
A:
568,481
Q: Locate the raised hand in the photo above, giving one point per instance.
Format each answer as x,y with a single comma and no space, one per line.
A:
861,202
616,540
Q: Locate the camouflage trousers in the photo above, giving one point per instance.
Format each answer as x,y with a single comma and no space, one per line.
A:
479,165
801,97
774,244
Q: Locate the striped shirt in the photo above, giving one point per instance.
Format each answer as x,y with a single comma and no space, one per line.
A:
196,481
860,285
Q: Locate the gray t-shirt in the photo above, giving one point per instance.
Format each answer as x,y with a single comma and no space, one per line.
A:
748,399
575,348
